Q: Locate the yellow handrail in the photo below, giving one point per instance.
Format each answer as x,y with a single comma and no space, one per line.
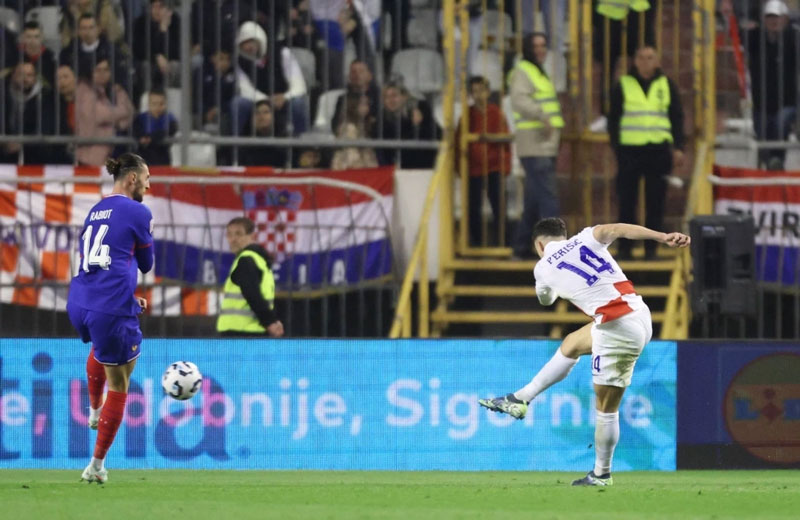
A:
440,182
401,326
700,198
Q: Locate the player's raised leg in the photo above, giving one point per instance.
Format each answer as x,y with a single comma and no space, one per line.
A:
96,381
576,344
113,411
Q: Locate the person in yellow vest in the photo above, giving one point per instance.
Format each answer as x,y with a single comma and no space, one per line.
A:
618,9
538,124
645,129
248,298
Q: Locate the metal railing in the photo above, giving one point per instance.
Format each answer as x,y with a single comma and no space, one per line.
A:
197,54
439,186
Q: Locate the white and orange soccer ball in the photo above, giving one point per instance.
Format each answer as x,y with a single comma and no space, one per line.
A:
181,380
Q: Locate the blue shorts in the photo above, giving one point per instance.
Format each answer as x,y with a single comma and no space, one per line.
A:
116,340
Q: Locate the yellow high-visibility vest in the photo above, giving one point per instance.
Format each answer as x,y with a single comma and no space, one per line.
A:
645,118
545,95
235,315
618,9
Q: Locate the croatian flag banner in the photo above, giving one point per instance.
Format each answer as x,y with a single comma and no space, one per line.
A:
321,228
776,212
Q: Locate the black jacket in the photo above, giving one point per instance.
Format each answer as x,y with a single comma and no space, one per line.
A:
675,110
773,69
248,277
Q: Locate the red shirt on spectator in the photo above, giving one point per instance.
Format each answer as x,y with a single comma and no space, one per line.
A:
497,156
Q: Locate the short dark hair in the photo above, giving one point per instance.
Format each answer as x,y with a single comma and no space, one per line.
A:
474,80
248,225
262,103
31,25
550,227
86,16
124,164
157,91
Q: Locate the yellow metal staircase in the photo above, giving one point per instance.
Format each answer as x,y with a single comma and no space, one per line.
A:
655,279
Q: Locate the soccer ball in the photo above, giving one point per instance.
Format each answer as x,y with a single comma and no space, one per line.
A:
181,380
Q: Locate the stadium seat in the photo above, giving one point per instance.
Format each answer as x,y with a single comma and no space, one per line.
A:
488,64
203,155
438,110
326,107
491,18
422,29
48,19
422,70
9,18
174,99
308,64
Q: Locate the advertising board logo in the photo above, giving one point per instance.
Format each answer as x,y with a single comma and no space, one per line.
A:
762,408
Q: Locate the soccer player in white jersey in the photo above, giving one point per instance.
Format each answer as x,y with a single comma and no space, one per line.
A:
580,269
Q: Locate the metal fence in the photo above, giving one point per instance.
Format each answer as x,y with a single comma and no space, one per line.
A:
759,51
223,82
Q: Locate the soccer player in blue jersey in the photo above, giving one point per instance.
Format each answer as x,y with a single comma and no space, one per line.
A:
116,240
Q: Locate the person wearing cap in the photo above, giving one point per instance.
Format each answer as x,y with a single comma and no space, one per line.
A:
645,129
772,57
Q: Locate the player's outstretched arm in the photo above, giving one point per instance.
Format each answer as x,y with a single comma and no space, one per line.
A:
607,233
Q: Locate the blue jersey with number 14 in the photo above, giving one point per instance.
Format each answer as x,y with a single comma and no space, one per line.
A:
116,240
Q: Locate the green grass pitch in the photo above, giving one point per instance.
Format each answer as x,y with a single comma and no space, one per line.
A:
156,494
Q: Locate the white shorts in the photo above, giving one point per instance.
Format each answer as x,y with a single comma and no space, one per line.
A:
616,345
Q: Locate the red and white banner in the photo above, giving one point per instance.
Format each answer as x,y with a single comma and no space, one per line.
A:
319,234
775,209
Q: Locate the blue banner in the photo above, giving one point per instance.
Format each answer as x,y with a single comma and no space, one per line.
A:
330,404
335,266
739,404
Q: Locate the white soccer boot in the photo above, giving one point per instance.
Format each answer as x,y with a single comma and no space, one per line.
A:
91,474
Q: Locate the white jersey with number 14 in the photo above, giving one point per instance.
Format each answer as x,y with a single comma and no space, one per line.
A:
582,271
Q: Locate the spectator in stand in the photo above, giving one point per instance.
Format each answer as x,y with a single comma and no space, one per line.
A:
257,78
262,127
214,25
360,22
359,82
102,108
302,32
215,90
34,51
772,56
67,85
645,129
157,60
487,161
358,123
107,13
28,111
338,20
90,47
537,114
404,117
152,127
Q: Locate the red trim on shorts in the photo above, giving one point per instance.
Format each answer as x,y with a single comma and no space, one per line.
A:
618,307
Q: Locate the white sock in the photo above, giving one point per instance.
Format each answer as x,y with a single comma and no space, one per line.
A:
94,414
98,463
606,436
551,373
